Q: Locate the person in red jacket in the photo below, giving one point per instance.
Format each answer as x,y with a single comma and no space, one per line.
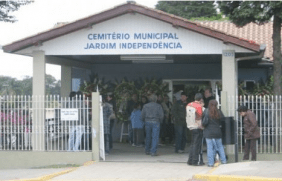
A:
197,131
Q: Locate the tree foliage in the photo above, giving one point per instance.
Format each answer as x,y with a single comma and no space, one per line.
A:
12,86
6,7
189,9
244,12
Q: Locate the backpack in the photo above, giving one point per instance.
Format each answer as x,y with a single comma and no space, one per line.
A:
191,121
191,116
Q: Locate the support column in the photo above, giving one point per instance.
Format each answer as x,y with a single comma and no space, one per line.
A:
96,126
38,109
229,78
66,79
229,89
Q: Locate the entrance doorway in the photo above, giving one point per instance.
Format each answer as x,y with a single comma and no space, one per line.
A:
123,151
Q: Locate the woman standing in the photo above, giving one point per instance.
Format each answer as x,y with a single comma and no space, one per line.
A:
212,132
251,130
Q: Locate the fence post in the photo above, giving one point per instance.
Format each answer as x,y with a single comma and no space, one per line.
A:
95,126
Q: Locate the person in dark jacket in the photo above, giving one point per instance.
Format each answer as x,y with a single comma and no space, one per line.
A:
179,114
112,102
212,132
207,97
252,132
153,115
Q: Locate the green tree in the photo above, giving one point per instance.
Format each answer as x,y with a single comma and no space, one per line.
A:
52,85
188,9
6,7
244,12
12,86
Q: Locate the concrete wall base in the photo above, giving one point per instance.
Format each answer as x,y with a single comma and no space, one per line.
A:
260,157
32,159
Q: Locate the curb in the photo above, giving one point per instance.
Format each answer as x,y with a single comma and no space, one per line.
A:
233,178
50,176
47,177
210,177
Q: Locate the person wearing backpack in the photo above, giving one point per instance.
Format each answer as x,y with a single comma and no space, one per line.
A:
194,123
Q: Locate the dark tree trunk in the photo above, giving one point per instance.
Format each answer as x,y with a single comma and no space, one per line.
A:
277,55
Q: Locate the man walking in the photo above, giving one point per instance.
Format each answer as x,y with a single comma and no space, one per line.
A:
153,115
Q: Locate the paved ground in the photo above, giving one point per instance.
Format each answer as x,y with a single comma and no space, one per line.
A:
130,163
15,174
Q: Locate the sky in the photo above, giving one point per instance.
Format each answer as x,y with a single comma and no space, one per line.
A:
41,16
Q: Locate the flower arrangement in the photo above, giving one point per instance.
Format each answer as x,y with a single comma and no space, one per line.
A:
153,87
95,83
122,93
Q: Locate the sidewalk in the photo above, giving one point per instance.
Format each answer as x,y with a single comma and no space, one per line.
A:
26,174
259,170
127,163
141,171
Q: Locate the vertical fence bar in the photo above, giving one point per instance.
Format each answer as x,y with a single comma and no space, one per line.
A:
25,121
21,120
280,130
280,126
10,122
46,122
272,124
276,125
1,122
260,115
268,127
4,121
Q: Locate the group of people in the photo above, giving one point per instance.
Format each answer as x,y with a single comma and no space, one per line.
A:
157,119
205,125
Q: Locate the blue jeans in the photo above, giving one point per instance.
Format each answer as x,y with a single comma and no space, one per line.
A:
180,137
152,136
78,131
215,145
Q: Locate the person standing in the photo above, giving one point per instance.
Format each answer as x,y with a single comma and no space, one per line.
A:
137,125
179,114
170,124
144,100
194,123
212,132
112,102
152,115
129,109
251,132
207,97
107,111
163,125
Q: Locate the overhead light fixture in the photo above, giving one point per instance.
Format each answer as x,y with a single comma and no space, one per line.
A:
142,57
152,61
146,58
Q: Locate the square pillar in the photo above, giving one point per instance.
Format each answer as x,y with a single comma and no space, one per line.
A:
229,90
38,108
66,72
229,79
96,127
